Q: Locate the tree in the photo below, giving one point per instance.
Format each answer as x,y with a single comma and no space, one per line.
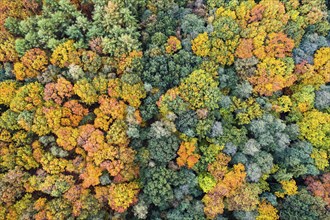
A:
163,149
91,175
32,64
314,128
303,204
123,195
267,211
228,183
201,45
28,97
200,90
273,75
65,54
186,154
158,189
83,86
58,91
8,91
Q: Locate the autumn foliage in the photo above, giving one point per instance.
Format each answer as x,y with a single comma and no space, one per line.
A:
164,109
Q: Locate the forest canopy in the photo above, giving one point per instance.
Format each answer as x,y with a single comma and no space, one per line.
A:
165,109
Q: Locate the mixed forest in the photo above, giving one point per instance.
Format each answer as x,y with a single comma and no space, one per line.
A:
164,109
